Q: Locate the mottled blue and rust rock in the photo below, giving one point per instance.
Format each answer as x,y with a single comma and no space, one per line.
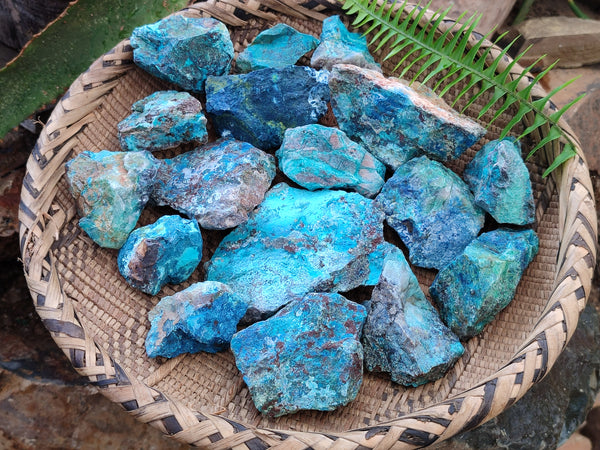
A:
306,357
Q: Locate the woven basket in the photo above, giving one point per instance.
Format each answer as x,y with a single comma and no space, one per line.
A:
101,323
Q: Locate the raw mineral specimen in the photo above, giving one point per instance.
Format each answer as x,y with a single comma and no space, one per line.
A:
394,121
432,210
307,356
339,46
403,334
500,182
183,50
202,317
110,190
167,251
218,184
297,242
163,120
257,107
318,157
276,47
482,281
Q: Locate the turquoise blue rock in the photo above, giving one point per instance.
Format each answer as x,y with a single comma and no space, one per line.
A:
432,210
164,119
110,190
403,334
166,251
183,50
218,184
306,357
297,242
340,46
396,122
500,182
276,47
259,106
318,157
201,318
482,281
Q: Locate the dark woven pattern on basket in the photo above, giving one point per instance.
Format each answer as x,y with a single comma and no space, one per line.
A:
101,323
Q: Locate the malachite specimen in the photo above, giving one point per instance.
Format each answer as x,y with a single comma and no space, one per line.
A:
340,46
403,334
396,122
318,157
432,210
202,317
110,190
218,184
296,242
306,357
276,47
482,281
167,251
164,119
499,179
259,106
183,50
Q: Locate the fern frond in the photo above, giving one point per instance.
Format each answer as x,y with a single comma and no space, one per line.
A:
451,58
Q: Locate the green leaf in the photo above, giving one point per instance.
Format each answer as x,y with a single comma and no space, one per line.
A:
567,153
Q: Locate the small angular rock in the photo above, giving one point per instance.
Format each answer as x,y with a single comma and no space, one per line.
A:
202,317
396,122
257,107
276,47
167,251
318,157
164,119
339,46
110,191
500,182
218,184
306,357
432,210
482,281
183,50
403,333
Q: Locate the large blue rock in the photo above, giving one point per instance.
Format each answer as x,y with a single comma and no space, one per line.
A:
500,182
167,251
432,210
306,357
259,106
183,50
482,281
202,317
276,47
297,242
318,157
403,334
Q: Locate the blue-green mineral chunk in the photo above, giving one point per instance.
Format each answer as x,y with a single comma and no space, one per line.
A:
218,184
482,281
110,189
306,357
296,242
167,251
340,46
432,210
403,334
500,182
276,47
164,119
257,107
396,122
202,317
183,50
318,157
